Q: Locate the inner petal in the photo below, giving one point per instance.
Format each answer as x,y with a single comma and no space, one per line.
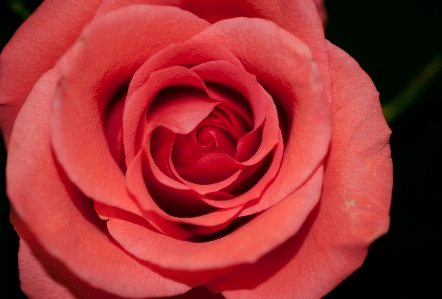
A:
225,143
210,136
180,109
211,168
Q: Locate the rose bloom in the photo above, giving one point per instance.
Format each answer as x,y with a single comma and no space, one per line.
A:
163,147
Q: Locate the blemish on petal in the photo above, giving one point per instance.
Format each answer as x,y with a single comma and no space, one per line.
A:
349,204
354,215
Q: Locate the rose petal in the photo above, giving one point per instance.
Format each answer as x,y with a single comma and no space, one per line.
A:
179,109
354,206
210,174
198,293
34,49
77,130
211,135
210,169
183,206
42,276
230,76
261,103
298,17
34,279
283,65
186,54
321,11
229,120
139,101
246,244
60,217
252,182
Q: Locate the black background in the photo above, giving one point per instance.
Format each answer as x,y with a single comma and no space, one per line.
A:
392,40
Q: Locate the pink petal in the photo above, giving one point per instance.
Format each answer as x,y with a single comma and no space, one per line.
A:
300,18
43,276
283,65
184,54
179,109
244,245
212,168
261,104
199,293
60,217
251,183
210,174
140,99
171,206
34,49
321,11
231,76
35,281
98,59
354,207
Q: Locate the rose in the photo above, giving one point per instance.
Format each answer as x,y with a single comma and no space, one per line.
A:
246,155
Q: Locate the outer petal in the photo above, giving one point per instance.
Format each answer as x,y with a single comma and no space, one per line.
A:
321,11
299,17
35,48
43,276
60,217
354,207
35,281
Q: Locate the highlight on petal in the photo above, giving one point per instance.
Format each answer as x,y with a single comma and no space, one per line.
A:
354,205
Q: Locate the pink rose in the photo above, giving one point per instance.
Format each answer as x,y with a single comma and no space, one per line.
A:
155,146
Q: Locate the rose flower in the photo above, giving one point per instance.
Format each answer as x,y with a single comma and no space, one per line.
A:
160,146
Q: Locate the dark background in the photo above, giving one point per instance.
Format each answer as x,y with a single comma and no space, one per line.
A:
392,40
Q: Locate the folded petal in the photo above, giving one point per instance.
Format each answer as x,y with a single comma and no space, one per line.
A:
246,244
300,18
172,80
284,66
198,293
60,217
96,67
34,280
321,11
354,205
172,207
251,183
43,276
34,49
